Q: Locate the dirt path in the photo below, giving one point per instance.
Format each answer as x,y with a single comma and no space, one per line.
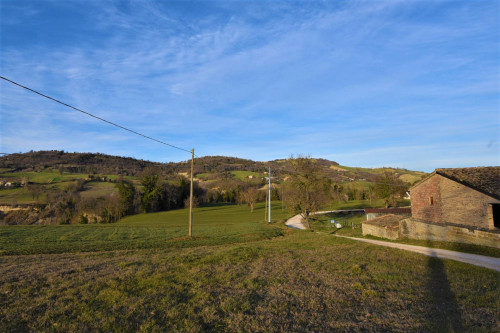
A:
473,259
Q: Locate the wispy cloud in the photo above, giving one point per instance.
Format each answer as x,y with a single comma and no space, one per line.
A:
262,79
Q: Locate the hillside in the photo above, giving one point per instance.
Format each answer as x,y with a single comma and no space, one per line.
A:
92,163
58,187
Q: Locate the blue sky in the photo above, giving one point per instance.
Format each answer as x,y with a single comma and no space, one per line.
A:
411,84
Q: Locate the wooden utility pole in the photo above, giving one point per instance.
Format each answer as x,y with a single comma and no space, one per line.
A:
191,196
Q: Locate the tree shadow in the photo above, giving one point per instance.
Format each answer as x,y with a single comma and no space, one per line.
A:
443,313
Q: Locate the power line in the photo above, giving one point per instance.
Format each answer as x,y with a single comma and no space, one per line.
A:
94,116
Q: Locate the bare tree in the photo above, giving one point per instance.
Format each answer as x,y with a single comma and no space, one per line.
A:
306,191
35,190
389,187
250,197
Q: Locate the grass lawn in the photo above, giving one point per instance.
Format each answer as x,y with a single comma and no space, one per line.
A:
236,276
220,224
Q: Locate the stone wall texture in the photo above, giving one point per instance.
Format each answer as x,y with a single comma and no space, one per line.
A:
410,228
377,231
441,200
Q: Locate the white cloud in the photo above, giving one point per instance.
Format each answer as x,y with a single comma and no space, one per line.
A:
303,77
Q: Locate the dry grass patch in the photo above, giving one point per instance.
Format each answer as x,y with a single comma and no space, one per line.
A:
301,282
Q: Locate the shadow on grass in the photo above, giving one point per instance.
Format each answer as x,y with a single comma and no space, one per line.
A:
335,231
443,313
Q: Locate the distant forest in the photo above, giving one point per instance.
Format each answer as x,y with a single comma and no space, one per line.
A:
96,163
60,187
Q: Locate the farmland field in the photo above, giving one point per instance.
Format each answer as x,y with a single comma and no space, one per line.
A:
237,274
243,175
98,189
52,182
212,225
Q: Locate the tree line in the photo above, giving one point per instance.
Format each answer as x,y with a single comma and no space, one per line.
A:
304,188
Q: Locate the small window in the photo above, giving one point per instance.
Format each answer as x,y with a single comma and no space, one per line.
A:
431,200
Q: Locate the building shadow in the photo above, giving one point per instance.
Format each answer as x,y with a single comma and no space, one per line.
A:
443,313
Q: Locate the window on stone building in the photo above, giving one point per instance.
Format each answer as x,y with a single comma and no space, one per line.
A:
431,200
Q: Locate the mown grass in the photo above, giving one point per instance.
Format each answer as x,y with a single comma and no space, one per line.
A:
220,224
304,282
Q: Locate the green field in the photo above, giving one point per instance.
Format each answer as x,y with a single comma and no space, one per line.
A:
243,175
406,175
15,195
45,177
214,225
238,274
53,181
360,204
98,189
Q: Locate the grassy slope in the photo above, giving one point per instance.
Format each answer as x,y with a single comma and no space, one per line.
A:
98,189
406,175
16,195
301,282
243,175
52,181
44,177
212,226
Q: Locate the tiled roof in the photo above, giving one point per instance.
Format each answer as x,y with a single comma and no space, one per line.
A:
396,210
482,179
390,221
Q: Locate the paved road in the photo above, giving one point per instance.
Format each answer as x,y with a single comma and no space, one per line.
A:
473,259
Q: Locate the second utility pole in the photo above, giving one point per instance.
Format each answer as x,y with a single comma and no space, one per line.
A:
191,197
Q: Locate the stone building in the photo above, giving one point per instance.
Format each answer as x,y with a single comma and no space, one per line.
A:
465,196
454,205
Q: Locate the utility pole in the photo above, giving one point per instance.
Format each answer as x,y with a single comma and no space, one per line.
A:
269,206
265,209
191,197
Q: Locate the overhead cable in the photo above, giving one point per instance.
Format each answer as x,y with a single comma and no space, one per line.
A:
94,116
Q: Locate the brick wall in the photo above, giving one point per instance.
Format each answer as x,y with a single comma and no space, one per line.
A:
441,200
